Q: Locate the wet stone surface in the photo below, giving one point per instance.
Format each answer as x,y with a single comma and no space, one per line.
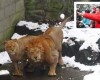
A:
66,73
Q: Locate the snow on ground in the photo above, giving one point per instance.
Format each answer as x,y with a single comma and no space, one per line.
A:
89,36
4,72
70,62
17,36
31,25
70,25
4,58
93,76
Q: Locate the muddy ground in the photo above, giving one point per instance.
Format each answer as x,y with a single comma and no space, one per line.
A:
66,73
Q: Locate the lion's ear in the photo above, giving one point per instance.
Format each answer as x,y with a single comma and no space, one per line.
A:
15,40
4,42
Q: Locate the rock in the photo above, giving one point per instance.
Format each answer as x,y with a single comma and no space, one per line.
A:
23,30
87,56
5,77
69,49
35,32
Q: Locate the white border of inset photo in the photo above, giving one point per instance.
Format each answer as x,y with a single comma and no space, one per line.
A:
75,8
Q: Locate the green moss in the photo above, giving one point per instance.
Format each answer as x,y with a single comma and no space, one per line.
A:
30,4
17,17
54,5
10,30
5,36
52,9
53,15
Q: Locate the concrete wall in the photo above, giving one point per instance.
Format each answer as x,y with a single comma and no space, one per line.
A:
11,11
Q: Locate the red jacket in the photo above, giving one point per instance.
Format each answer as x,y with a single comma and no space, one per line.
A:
95,17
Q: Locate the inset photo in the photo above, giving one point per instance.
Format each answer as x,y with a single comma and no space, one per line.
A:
87,14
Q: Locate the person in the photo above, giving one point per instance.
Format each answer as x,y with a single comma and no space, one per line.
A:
86,21
78,19
93,16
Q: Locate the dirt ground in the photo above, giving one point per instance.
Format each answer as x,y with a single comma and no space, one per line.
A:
66,73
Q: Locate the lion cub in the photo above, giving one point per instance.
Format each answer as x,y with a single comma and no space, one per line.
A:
15,49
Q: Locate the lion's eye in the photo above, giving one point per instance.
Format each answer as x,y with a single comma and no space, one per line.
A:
31,52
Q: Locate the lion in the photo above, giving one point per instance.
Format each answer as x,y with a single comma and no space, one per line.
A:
42,50
15,49
47,48
57,35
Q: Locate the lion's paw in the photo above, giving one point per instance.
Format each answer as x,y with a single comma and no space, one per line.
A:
52,73
17,74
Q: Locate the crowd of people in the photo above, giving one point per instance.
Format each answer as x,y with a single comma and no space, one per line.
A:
88,18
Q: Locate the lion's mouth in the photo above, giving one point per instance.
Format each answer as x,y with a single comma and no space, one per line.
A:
37,60
12,53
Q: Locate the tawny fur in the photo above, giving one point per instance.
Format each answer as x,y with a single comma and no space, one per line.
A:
47,48
15,49
42,49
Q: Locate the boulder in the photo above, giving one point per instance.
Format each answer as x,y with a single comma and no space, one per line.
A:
87,56
71,47
23,30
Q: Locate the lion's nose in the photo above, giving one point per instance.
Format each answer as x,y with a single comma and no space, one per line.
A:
35,57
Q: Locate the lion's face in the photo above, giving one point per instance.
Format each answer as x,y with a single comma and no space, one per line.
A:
35,54
10,46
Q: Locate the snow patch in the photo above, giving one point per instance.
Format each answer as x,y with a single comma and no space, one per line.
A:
4,58
92,76
4,72
17,36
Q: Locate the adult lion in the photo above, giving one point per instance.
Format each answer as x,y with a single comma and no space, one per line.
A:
15,49
47,48
57,35
42,50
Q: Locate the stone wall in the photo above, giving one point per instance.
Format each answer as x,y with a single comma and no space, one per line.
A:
11,11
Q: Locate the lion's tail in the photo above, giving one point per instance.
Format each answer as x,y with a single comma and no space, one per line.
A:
64,22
